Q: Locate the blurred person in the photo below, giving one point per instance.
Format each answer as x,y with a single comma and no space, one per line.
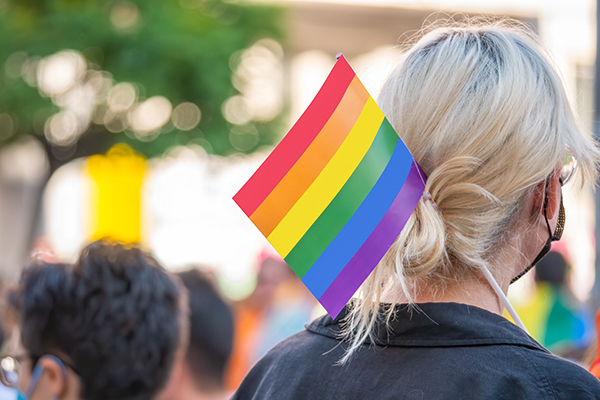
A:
568,324
200,375
107,327
485,114
278,307
291,308
552,313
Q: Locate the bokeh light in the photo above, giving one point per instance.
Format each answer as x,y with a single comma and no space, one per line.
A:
237,110
260,78
124,16
121,97
14,64
258,75
186,116
101,81
114,121
150,115
29,70
62,129
59,72
243,137
87,95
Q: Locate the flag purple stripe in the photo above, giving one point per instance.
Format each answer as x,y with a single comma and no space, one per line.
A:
374,248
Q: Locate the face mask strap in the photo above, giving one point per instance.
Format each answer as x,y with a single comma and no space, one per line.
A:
560,224
540,255
503,298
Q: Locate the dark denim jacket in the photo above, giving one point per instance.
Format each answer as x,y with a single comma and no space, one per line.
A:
443,351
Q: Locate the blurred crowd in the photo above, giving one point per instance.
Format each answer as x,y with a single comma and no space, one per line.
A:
116,325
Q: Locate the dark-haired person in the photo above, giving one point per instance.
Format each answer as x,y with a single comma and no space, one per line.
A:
108,327
201,374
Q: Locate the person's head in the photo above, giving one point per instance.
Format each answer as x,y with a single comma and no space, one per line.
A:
210,341
272,271
113,319
484,112
552,269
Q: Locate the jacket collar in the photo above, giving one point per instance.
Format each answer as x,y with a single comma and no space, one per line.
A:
436,325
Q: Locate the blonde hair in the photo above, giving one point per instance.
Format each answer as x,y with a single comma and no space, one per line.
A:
484,112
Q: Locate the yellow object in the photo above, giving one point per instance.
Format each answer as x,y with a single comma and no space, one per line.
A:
116,194
534,311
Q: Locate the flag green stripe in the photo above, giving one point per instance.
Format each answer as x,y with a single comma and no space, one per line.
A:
345,203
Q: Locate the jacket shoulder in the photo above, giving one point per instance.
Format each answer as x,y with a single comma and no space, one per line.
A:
562,378
289,367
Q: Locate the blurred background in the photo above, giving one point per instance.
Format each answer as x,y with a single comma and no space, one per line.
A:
139,120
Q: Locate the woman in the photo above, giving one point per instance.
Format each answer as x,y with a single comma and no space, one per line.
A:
485,114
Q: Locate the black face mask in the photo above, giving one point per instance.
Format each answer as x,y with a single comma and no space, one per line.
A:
560,226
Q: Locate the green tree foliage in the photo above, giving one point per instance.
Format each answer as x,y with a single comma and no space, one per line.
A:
184,51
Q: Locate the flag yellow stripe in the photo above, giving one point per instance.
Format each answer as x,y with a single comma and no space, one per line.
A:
329,182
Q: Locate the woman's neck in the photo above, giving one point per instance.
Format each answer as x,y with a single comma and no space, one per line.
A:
475,292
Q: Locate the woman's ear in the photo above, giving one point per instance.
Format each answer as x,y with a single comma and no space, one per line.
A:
554,194
51,379
548,192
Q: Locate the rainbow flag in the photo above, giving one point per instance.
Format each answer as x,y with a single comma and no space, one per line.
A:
335,193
